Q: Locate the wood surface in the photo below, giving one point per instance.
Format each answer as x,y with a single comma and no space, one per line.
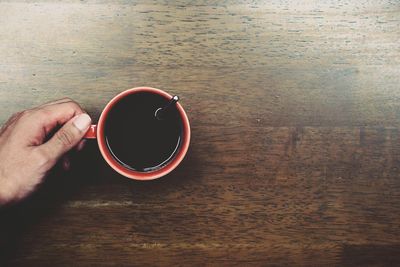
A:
295,115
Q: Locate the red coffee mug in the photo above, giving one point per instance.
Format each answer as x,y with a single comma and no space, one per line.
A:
97,132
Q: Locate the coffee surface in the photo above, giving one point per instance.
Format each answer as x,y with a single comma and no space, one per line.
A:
136,138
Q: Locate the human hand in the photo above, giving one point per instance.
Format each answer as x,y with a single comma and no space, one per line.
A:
27,153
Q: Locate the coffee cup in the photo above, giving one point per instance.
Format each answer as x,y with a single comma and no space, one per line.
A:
136,142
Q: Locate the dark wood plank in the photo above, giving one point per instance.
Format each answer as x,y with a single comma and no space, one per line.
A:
298,198
283,64
294,109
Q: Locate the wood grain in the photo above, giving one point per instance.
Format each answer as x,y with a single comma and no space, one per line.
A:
294,108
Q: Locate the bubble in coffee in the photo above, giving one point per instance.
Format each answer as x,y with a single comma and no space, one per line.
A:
136,138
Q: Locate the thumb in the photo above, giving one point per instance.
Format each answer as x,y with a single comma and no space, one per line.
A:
67,136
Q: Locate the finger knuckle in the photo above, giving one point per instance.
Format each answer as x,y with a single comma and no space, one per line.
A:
66,99
32,115
64,137
43,113
73,106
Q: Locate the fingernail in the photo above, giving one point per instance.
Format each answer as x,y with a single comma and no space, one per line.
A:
82,122
66,164
80,145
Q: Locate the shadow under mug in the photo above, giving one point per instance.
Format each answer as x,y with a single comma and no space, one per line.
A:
97,132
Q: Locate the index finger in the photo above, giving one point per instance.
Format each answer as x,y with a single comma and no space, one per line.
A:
50,116
58,101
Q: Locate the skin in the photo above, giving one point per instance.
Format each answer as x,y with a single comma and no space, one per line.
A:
32,142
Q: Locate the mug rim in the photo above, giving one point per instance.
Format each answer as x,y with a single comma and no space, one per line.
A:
136,175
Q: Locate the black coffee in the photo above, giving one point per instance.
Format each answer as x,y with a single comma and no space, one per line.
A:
136,138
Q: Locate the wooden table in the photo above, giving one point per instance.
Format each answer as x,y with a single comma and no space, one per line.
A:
295,113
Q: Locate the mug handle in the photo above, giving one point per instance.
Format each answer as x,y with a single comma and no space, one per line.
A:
91,133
